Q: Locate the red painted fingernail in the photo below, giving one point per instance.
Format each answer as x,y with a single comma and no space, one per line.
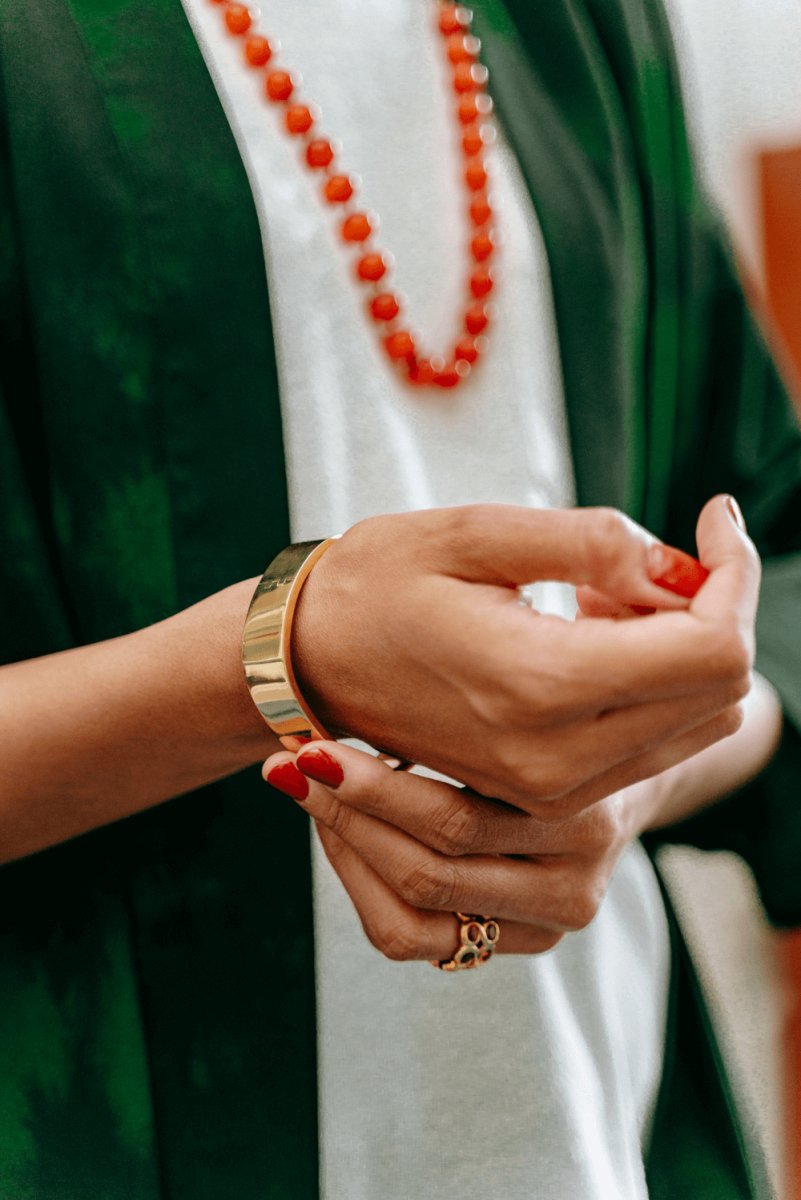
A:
736,513
676,571
287,779
323,767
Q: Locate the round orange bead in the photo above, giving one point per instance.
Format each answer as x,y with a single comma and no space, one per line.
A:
319,153
458,48
481,283
476,319
279,86
356,228
480,211
371,267
338,189
448,377
238,19
466,349
400,345
421,372
472,142
475,175
298,119
468,109
258,50
385,307
453,17
482,246
463,80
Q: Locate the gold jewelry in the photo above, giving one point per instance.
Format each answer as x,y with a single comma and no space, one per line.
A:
478,937
266,644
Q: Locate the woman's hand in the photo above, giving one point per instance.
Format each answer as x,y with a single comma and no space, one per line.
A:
411,851
409,635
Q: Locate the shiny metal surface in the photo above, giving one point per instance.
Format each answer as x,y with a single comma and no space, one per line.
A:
266,644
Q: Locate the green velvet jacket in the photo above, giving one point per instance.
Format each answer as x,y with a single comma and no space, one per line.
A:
156,977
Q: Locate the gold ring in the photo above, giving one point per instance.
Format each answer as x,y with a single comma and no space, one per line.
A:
478,937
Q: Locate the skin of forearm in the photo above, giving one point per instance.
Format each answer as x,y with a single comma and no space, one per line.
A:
98,733
721,769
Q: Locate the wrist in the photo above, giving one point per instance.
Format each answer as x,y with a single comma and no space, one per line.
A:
208,639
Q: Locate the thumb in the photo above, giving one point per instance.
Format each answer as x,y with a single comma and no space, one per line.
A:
728,553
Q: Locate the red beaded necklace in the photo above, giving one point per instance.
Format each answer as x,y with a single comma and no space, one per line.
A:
473,106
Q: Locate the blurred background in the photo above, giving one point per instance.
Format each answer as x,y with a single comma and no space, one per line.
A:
741,69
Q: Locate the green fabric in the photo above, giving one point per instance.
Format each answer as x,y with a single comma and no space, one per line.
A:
156,977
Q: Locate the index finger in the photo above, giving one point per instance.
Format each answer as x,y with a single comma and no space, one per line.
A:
509,546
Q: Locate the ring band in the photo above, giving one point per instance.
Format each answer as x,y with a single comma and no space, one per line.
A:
266,645
478,937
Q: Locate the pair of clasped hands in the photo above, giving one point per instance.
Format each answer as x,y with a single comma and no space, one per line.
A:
560,731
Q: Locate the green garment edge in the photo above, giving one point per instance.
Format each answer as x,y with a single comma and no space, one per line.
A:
156,977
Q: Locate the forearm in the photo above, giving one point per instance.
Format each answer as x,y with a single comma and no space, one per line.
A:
98,733
719,770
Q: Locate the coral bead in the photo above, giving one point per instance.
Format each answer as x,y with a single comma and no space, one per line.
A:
453,17
319,153
298,119
279,86
467,350
468,109
385,307
448,377
472,142
463,80
399,345
338,189
238,19
480,211
482,246
258,50
481,283
476,319
458,49
371,267
421,372
356,228
475,175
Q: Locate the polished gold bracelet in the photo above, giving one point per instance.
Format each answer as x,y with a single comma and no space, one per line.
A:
267,644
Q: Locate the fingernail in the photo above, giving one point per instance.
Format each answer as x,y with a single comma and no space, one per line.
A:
676,571
322,766
736,513
287,779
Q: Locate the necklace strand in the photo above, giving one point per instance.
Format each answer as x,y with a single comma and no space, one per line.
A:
372,266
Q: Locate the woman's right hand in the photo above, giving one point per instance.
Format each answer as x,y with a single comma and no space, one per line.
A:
410,636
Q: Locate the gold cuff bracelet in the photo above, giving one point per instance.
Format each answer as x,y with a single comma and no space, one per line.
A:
266,644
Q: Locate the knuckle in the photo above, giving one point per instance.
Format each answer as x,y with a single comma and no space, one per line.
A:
732,653
604,529
334,815
398,942
547,941
430,885
461,831
582,907
605,824
553,779
732,719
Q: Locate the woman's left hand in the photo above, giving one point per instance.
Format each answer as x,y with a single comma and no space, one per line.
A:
411,851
